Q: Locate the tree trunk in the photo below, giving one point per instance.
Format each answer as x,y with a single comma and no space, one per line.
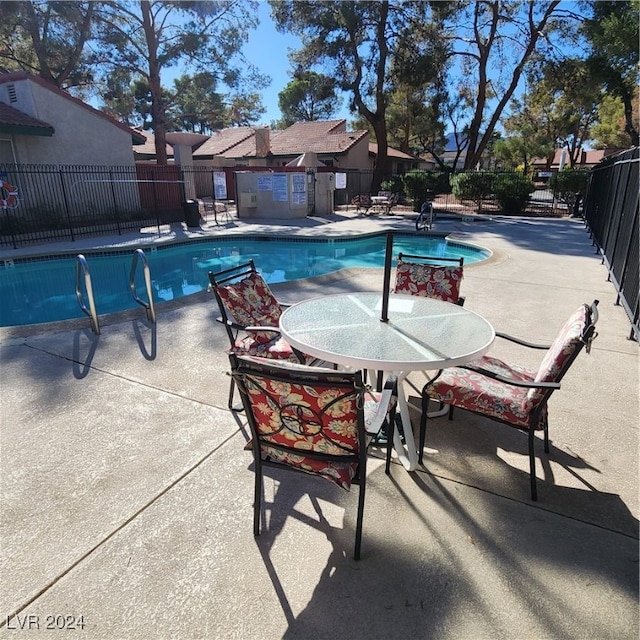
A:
629,122
155,86
474,152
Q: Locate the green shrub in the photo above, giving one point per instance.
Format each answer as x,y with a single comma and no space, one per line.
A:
472,185
569,182
422,185
393,184
512,191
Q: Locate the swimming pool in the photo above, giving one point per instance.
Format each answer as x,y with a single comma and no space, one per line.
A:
42,289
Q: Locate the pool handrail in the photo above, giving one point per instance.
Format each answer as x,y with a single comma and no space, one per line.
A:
149,306
82,268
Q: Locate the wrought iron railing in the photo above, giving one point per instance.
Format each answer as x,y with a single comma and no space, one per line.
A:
611,214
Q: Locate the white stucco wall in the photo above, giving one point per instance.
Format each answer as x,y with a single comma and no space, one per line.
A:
81,136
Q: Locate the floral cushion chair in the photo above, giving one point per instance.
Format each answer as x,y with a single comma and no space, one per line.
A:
426,276
511,393
313,420
250,314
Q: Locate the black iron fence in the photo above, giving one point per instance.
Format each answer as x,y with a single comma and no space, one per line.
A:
51,203
41,203
611,213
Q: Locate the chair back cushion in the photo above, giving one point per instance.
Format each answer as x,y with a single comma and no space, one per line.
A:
429,281
251,303
561,354
310,425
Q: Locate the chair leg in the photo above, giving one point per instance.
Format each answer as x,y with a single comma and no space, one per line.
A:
360,516
532,465
232,388
546,437
423,427
389,427
257,500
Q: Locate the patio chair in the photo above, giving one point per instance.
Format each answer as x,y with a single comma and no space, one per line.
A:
392,201
250,313
510,393
362,202
312,420
426,276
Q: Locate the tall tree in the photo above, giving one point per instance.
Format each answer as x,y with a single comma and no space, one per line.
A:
613,32
563,104
244,108
495,40
147,37
48,39
196,106
309,96
610,130
363,45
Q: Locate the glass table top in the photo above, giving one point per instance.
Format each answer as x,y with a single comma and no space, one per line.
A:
421,333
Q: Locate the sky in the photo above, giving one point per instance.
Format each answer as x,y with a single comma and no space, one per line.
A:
267,49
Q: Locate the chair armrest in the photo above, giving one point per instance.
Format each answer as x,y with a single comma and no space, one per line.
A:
261,328
233,325
515,383
522,342
229,323
241,327
389,393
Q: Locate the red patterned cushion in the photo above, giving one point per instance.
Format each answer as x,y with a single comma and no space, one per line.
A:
476,392
277,348
429,281
251,303
307,418
564,346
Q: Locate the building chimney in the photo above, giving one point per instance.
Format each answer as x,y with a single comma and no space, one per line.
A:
263,143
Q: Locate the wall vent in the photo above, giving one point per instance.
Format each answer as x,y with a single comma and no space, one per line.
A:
11,89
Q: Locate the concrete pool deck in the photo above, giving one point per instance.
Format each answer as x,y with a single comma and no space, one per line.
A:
127,493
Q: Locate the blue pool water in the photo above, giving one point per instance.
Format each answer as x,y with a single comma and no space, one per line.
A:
35,290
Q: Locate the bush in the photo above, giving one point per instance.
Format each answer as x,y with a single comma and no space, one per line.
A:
512,191
393,184
423,185
566,184
472,185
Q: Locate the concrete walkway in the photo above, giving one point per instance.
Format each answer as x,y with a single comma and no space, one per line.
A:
127,496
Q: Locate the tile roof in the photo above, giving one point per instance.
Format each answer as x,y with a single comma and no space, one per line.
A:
319,137
16,76
149,146
222,141
391,152
586,157
13,120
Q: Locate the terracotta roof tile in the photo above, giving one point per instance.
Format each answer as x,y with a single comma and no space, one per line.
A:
222,141
149,146
319,137
12,118
391,152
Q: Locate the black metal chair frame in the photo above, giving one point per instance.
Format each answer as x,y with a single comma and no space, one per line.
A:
233,328
363,202
587,337
244,371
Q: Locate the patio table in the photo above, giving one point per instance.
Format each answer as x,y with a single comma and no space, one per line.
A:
380,204
421,334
